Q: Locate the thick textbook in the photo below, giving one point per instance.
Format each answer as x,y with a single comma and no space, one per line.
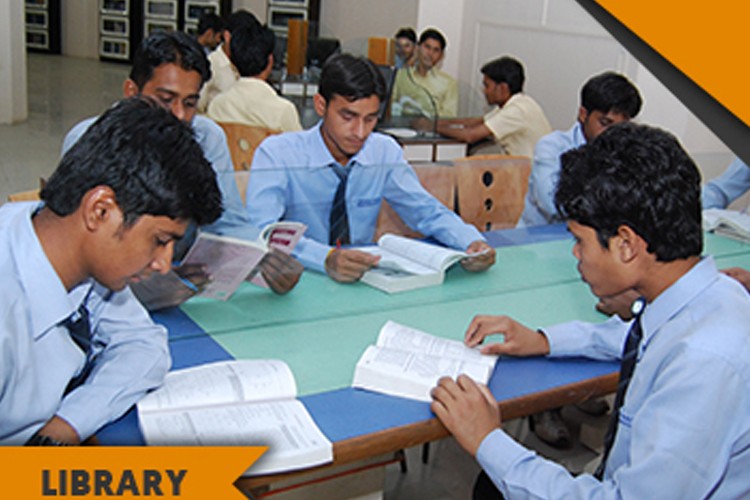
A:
406,264
229,261
241,402
407,362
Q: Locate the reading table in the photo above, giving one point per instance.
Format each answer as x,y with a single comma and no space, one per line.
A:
321,328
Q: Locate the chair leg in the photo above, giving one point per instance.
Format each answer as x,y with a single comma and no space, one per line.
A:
425,453
401,457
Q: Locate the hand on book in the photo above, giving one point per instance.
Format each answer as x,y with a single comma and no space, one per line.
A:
484,259
467,409
518,340
281,271
172,288
347,265
741,275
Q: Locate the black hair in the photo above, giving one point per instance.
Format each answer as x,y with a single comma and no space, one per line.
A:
238,19
162,47
210,21
611,91
638,176
250,47
352,78
435,35
506,70
407,33
150,160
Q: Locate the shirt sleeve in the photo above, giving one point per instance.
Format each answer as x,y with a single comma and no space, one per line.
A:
131,357
422,211
545,173
723,190
668,428
602,341
507,121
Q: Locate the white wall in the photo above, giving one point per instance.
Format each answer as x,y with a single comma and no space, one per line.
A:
13,105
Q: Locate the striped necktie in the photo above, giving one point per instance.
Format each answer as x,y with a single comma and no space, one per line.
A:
339,221
627,365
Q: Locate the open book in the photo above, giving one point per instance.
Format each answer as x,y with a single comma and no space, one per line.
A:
242,402
730,223
228,261
407,362
406,264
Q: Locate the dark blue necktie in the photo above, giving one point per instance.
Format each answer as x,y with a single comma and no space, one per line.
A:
339,221
627,365
79,328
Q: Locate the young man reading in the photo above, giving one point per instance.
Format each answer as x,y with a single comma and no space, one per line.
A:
171,68
681,422
334,176
78,348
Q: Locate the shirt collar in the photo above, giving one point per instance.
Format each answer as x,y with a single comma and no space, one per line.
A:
48,301
672,300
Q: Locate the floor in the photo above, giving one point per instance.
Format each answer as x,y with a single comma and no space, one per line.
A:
61,92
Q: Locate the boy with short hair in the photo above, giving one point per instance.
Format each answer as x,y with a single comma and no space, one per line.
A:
681,423
78,348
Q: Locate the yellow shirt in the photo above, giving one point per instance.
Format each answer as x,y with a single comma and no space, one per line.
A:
254,102
414,94
518,125
223,76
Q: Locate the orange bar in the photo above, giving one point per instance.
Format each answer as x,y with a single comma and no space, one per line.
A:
296,49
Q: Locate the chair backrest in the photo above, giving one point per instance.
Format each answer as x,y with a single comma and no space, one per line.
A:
30,195
438,179
491,189
243,141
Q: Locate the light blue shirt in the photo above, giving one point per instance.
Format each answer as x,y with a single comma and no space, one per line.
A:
684,429
39,357
213,142
723,190
539,205
292,179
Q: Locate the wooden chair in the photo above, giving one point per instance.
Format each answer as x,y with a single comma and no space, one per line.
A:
438,179
491,189
243,140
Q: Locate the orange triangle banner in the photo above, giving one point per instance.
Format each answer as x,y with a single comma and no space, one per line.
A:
187,473
707,42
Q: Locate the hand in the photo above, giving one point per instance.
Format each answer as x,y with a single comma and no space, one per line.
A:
519,340
422,124
741,275
281,271
619,304
481,262
60,430
195,274
348,266
468,410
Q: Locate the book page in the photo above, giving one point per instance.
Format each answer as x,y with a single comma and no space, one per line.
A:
285,426
432,256
282,236
220,383
395,265
228,261
397,336
410,375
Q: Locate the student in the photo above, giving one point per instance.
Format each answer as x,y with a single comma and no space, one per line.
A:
606,99
406,47
171,68
251,100
110,216
210,28
223,72
297,175
632,202
422,89
515,123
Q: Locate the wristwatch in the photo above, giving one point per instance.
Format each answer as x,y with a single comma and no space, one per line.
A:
41,440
